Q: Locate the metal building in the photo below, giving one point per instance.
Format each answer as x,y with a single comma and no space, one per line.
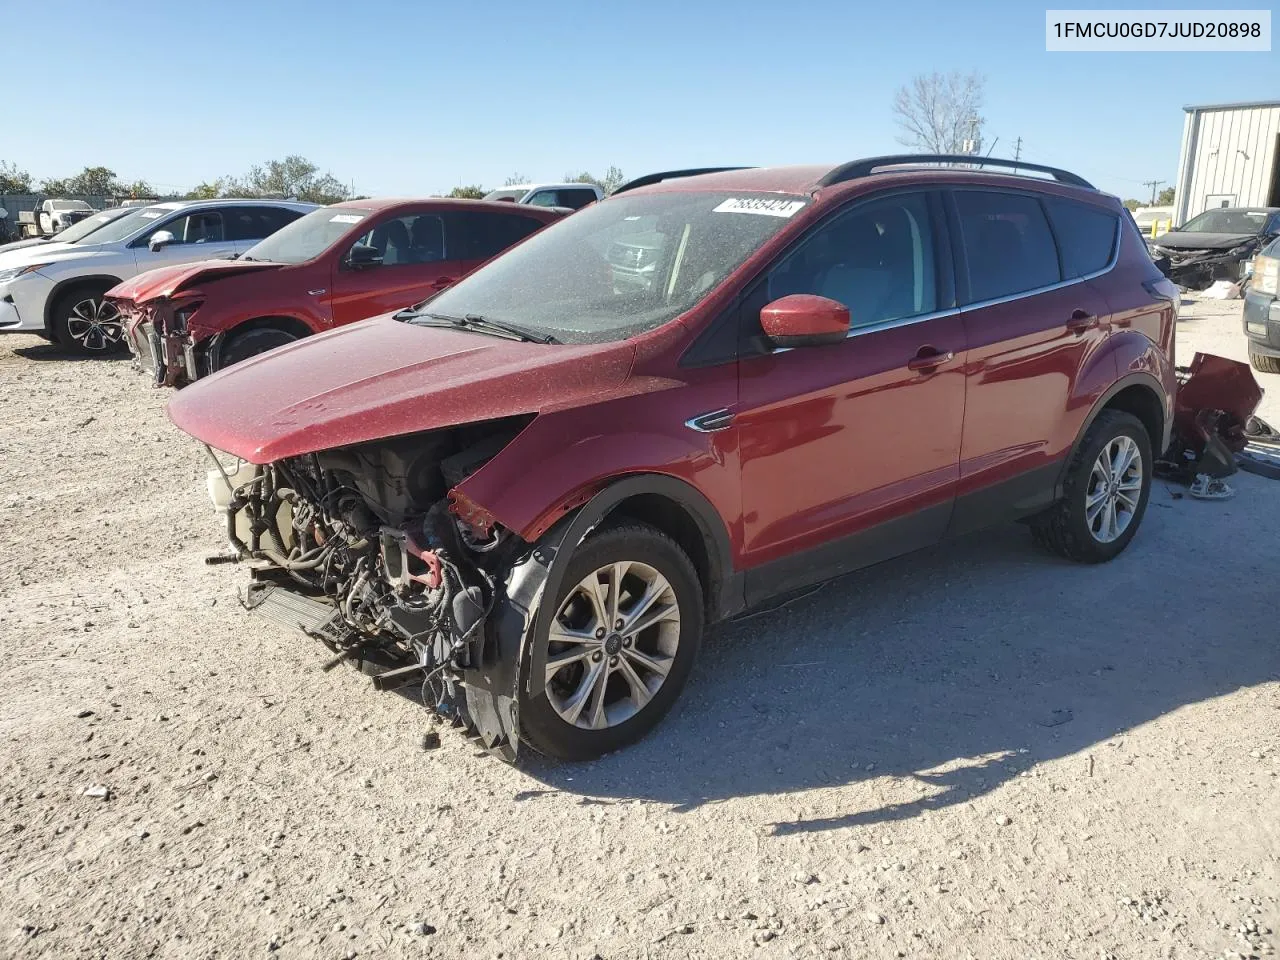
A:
1230,157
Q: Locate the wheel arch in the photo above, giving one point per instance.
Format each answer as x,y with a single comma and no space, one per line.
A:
679,510
279,321
105,281
1139,394
217,344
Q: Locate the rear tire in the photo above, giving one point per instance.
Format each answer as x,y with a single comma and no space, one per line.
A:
641,672
85,325
1261,362
1079,526
253,342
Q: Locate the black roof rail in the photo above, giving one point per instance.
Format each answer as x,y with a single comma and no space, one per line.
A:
651,178
864,168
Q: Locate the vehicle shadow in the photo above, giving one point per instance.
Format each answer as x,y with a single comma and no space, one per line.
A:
54,351
960,667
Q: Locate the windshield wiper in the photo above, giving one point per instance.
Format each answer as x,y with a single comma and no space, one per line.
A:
473,321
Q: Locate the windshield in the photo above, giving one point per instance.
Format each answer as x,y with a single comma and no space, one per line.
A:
129,224
69,205
507,194
89,225
1227,221
621,267
307,237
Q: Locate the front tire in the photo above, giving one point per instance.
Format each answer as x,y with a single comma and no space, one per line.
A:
253,342
1105,494
626,630
1264,364
85,324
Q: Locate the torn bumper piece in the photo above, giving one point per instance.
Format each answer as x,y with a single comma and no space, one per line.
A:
1215,399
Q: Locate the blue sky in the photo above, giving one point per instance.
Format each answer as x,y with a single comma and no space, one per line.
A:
415,97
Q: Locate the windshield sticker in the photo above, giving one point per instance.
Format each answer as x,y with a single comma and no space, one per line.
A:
148,215
345,218
760,205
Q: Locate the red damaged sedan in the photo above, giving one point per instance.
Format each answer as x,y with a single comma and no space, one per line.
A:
332,267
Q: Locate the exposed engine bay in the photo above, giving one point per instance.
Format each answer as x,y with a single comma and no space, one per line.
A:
359,547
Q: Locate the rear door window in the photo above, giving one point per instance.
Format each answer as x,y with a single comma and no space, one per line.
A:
1007,243
479,236
1086,236
257,223
573,197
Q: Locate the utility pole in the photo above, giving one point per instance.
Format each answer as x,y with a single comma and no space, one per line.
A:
1153,184
1017,153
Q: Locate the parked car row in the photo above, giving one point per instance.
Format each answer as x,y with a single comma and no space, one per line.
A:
530,491
57,289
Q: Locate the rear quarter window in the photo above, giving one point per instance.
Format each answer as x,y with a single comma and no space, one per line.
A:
1086,236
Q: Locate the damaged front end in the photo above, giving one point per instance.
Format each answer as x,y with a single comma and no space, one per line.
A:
1199,269
159,339
365,549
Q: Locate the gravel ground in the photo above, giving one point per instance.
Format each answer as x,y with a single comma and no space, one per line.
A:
977,751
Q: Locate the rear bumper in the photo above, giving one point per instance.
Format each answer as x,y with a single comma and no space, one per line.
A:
1262,323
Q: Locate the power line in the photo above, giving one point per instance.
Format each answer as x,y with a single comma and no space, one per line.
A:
1153,184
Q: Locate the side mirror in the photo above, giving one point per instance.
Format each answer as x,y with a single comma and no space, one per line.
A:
160,239
363,256
804,320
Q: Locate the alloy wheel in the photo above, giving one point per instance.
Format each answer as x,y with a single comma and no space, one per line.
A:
1115,488
95,325
611,645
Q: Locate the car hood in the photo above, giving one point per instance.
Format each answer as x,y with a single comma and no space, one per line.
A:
384,378
22,244
34,253
1175,240
166,281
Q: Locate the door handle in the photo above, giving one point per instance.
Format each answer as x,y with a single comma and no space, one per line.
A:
443,282
927,358
1081,321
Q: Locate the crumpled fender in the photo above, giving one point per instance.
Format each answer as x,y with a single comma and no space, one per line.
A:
519,615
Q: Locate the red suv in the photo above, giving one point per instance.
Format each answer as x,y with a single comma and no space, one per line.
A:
531,493
334,266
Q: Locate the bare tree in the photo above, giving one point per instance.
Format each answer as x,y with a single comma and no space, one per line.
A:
937,112
516,180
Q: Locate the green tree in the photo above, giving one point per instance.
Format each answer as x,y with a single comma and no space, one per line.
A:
473,192
612,179
138,190
13,180
1132,204
294,176
95,181
1165,198
206,190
